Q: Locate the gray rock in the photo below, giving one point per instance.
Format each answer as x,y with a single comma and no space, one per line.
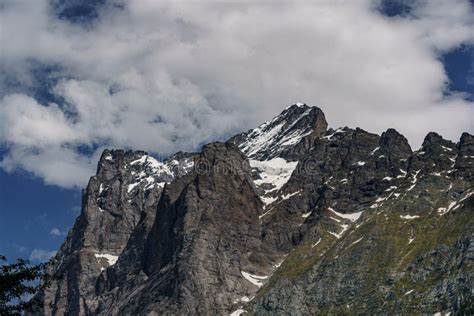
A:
287,219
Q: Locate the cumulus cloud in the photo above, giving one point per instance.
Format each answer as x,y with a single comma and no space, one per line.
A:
41,255
56,232
165,76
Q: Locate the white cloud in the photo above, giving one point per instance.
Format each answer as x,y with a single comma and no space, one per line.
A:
56,232
25,122
41,255
167,76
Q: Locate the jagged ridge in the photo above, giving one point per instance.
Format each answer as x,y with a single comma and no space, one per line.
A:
288,204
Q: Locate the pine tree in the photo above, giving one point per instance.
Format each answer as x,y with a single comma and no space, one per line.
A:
18,282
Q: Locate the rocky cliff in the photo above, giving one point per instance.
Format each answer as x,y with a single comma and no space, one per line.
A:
290,218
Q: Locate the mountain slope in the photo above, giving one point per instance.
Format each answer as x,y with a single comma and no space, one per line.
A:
288,218
411,252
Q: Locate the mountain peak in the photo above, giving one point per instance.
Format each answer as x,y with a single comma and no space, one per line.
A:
395,142
298,105
466,138
282,135
434,141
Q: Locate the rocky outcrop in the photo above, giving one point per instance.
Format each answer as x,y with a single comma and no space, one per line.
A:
288,218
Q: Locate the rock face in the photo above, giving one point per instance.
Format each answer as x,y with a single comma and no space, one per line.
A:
290,218
116,202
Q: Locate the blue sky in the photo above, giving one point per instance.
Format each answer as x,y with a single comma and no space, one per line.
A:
198,82
34,215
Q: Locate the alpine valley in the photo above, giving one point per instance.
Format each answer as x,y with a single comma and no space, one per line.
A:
290,218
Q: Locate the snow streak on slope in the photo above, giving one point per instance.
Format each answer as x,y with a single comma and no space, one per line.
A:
254,279
273,137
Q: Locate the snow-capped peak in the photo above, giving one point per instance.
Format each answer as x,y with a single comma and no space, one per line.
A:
283,132
298,104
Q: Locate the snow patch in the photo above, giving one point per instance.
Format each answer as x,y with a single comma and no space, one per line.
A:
306,215
409,216
454,205
287,196
244,299
380,199
132,186
344,228
298,104
413,181
140,160
339,130
351,216
468,194
268,200
391,188
111,259
373,151
276,266
237,312
444,210
355,242
151,170
276,172
109,158
154,165
254,279
403,175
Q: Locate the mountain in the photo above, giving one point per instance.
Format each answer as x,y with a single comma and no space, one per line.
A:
290,218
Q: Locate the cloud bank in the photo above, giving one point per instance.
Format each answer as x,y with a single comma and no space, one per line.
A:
41,255
166,76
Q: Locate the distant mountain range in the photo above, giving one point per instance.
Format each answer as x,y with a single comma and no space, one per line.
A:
290,218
